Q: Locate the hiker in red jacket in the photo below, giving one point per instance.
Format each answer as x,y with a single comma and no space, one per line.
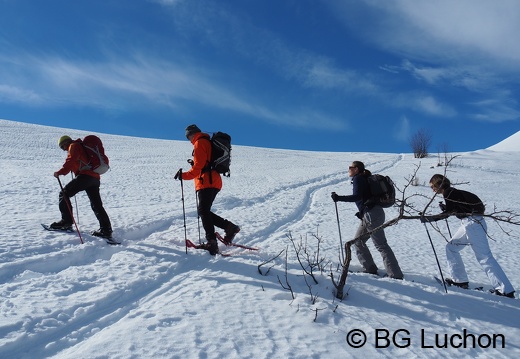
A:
85,180
208,183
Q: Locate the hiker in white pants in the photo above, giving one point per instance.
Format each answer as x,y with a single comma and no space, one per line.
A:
473,232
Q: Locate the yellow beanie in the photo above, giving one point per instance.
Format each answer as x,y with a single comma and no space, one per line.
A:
63,140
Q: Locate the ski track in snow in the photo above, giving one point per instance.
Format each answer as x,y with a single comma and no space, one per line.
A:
147,298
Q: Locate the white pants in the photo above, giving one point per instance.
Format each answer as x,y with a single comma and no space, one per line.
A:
473,233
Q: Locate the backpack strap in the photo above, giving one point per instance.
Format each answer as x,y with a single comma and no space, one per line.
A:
83,166
207,167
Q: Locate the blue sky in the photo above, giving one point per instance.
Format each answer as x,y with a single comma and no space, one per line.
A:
326,75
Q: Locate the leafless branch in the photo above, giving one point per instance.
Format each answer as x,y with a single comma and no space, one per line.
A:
301,250
314,297
316,313
287,286
268,261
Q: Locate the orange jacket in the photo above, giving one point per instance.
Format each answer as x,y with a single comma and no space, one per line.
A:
202,157
76,161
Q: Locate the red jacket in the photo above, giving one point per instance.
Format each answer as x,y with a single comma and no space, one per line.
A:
76,161
201,158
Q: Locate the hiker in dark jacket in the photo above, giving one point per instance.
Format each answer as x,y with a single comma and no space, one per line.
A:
371,218
472,232
85,180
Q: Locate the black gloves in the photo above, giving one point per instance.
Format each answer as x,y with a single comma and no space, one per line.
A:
178,175
442,206
428,219
423,218
337,198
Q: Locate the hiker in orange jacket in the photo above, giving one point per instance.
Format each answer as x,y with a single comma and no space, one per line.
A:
208,184
85,180
201,158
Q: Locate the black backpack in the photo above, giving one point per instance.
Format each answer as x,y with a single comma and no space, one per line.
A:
220,153
382,191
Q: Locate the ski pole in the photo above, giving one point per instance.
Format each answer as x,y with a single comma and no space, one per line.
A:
198,216
75,202
436,258
447,225
191,163
339,230
443,209
67,201
178,175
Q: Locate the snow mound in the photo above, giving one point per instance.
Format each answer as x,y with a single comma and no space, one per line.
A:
510,144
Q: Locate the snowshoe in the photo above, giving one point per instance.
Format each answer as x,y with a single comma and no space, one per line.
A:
61,226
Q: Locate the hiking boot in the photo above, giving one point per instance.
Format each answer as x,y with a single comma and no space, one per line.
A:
231,231
103,233
211,246
499,293
463,285
371,270
510,294
61,225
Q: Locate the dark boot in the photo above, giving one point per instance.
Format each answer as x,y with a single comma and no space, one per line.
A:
211,246
231,231
62,225
463,285
508,295
103,233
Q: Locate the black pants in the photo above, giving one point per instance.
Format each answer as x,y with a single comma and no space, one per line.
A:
209,219
90,185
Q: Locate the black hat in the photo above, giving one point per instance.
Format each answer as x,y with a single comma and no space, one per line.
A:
191,130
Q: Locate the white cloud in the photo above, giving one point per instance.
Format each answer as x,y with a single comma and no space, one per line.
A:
466,45
496,110
326,76
429,74
225,29
430,105
474,26
462,32
166,2
422,103
402,129
12,94
124,83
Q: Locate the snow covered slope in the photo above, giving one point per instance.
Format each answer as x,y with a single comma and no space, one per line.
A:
512,143
147,298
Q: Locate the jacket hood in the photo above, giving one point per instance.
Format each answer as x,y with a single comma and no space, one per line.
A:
198,135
